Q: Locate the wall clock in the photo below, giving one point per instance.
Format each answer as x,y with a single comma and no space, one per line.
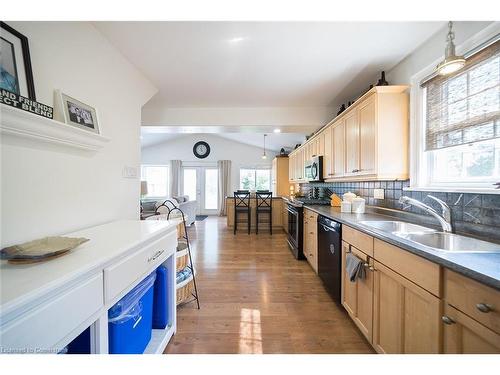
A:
201,149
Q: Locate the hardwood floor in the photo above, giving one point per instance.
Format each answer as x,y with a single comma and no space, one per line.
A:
256,298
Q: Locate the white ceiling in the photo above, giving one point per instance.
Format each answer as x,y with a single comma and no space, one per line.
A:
274,141
271,64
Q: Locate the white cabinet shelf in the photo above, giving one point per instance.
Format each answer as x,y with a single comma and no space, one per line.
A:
26,125
159,340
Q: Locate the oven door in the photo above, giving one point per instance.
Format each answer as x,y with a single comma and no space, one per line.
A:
293,226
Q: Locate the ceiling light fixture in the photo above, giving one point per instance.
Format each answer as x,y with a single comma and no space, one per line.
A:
277,130
451,62
264,156
236,40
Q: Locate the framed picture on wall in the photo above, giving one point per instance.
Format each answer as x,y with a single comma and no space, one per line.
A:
16,74
73,112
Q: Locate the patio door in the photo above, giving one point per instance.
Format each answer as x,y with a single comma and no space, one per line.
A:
201,183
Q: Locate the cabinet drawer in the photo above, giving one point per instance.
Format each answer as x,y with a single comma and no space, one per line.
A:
466,336
419,270
123,274
45,326
471,297
358,239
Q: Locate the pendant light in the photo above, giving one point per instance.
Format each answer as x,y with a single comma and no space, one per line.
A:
451,62
264,156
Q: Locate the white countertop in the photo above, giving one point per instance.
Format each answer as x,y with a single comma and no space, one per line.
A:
21,284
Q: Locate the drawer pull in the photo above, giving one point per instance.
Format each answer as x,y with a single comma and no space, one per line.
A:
447,320
484,307
156,255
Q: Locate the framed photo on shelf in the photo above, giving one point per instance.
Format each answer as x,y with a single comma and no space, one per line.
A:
16,74
73,112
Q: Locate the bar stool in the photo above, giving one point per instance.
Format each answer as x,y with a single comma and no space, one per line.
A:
241,204
264,205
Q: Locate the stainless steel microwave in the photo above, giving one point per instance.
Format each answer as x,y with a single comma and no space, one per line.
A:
313,169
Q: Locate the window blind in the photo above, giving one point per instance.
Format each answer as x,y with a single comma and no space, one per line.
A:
465,107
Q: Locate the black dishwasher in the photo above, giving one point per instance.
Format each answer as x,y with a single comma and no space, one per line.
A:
329,255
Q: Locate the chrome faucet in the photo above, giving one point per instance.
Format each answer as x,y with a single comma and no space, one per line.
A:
444,218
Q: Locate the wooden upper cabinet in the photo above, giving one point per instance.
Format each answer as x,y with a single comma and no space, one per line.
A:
352,142
280,176
321,144
369,141
406,318
367,136
327,153
338,152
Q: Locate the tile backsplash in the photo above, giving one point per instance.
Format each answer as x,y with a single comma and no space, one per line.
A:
473,214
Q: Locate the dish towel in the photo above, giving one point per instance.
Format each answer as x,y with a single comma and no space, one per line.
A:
354,267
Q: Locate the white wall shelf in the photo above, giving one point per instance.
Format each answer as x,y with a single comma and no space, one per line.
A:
19,123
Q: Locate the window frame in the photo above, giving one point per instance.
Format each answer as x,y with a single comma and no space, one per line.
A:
153,197
255,169
420,160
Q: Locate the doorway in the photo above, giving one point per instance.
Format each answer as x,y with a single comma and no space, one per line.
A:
202,183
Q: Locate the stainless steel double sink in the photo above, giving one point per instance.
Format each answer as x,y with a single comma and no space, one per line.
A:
433,239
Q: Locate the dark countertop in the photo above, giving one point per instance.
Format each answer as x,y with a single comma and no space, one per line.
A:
483,267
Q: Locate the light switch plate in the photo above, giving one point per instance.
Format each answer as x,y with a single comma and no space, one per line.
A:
129,172
378,193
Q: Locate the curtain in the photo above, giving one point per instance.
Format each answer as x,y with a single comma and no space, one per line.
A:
224,186
175,177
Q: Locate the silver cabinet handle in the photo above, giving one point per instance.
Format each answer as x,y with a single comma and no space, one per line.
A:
484,307
370,268
156,255
447,320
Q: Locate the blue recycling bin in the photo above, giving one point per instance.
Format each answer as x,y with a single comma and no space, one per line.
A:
160,301
130,320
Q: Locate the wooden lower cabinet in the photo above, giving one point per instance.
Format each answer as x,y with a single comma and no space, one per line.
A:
464,335
406,318
357,297
310,242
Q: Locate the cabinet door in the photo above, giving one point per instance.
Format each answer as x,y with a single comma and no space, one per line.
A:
352,142
291,161
367,136
305,241
406,318
274,176
311,237
357,297
321,144
327,153
464,335
338,144
301,161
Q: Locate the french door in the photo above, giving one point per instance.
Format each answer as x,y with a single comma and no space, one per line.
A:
201,183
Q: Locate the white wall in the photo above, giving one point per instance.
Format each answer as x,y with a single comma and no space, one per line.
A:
240,154
47,192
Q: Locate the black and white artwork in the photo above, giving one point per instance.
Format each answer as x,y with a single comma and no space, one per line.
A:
16,75
80,115
76,113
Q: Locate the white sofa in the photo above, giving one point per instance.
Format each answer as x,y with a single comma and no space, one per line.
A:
187,206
